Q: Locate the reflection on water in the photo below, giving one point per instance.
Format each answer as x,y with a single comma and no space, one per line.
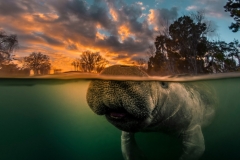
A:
50,119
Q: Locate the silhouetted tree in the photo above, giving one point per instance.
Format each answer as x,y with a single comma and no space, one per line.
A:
221,56
199,17
233,50
182,49
189,40
232,56
186,49
157,61
233,6
100,64
12,69
38,62
7,44
92,62
76,64
215,56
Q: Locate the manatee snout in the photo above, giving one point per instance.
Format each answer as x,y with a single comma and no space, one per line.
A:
124,103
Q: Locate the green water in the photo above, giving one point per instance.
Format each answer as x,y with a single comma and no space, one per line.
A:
50,119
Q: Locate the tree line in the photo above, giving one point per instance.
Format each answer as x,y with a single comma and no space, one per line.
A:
184,48
90,62
7,45
40,63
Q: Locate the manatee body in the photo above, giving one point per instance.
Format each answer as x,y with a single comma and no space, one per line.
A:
142,106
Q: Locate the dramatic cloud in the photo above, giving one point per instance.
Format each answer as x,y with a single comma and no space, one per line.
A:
71,26
120,30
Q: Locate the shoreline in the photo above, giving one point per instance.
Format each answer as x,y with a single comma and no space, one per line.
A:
93,76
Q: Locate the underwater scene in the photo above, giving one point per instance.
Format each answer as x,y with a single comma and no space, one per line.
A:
43,118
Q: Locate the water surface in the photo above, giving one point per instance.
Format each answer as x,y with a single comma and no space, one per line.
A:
48,118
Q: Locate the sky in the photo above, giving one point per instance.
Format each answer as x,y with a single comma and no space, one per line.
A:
120,30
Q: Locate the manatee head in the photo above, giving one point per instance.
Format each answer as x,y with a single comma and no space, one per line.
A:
126,104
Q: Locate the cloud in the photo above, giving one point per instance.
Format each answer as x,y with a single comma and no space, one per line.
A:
189,8
67,27
213,8
48,39
161,18
72,47
59,61
10,8
125,32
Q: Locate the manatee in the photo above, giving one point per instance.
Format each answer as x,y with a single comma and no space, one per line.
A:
180,109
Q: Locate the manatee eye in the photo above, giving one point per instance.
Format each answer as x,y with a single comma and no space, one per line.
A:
164,84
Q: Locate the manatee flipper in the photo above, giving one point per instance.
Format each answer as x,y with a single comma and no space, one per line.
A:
193,143
129,147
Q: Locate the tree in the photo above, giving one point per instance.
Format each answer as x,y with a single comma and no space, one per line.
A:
233,50
215,56
92,62
189,40
38,62
100,64
233,6
199,17
76,64
182,49
7,44
186,49
221,56
159,60
232,55
12,69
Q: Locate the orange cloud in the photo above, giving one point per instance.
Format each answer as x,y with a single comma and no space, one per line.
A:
153,19
124,32
113,14
98,34
63,35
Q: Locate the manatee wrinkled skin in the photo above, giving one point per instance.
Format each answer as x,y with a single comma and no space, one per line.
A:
142,106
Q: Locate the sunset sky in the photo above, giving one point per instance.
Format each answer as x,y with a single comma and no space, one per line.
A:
121,30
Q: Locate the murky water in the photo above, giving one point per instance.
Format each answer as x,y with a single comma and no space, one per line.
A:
50,119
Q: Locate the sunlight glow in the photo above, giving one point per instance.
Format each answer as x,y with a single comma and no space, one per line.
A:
113,14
